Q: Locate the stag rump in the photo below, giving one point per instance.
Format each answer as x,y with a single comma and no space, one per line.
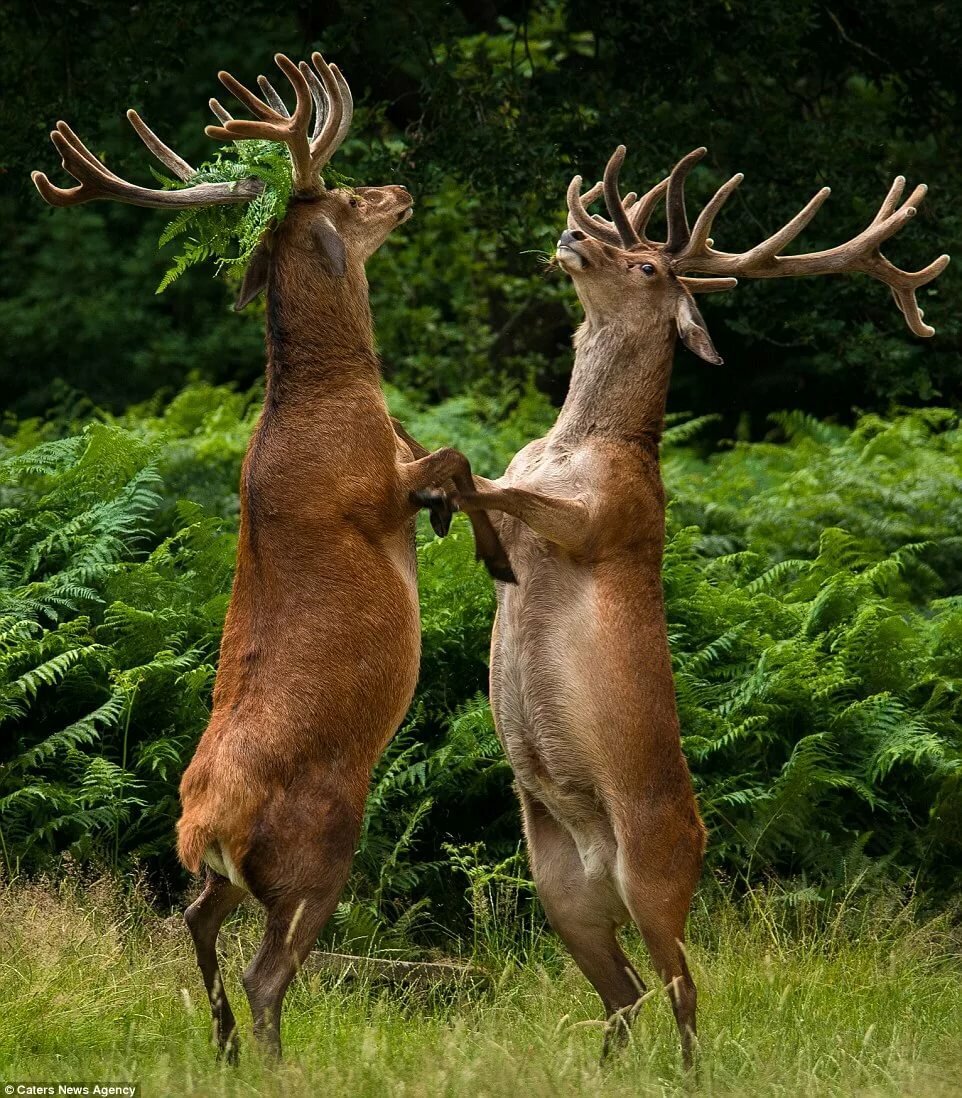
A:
321,645
581,680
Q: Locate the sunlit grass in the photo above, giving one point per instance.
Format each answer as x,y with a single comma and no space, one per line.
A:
859,998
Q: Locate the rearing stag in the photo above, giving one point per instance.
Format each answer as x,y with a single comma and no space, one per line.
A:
581,681
321,646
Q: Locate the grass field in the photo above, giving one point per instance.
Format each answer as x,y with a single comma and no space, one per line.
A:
859,998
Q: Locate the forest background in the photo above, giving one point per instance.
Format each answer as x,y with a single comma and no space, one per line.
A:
814,564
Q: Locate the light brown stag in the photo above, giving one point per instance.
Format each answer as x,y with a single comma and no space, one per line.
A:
581,681
321,645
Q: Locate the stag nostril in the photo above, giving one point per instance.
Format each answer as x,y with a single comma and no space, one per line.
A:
570,235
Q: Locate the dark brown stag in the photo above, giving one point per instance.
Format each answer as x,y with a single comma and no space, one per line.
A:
321,645
581,681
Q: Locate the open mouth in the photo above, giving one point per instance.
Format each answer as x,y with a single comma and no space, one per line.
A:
406,214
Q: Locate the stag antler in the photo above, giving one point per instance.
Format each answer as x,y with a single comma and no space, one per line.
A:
629,215
322,89
95,180
860,254
273,124
690,249
327,96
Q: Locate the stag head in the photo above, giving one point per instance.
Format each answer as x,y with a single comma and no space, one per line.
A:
618,270
334,229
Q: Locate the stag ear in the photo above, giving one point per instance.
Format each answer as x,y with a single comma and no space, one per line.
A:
693,332
257,273
329,245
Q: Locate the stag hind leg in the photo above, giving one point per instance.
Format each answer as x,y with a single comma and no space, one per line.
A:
204,918
657,869
298,872
585,912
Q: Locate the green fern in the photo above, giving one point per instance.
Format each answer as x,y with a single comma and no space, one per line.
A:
229,234
812,597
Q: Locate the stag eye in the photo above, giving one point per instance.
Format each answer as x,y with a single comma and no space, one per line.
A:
648,269
353,202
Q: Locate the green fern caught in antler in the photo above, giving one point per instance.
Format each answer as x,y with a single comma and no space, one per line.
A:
228,235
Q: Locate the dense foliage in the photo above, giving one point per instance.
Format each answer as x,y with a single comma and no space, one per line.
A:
813,570
485,110
813,609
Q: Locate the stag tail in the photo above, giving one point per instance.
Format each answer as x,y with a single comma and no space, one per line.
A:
193,839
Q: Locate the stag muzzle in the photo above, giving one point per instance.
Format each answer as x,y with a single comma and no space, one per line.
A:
568,251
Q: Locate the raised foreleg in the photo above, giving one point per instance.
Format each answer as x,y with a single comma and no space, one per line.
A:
565,522
450,464
439,506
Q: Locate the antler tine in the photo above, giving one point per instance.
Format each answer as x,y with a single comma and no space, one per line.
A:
891,200
164,153
579,218
678,234
703,223
642,210
616,209
69,145
903,285
96,181
347,116
220,113
586,199
770,247
274,124
272,97
861,254
325,144
321,103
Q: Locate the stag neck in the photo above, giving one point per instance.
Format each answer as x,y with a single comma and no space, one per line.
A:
319,329
619,383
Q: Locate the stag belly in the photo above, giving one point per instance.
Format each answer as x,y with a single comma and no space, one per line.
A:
327,646
544,666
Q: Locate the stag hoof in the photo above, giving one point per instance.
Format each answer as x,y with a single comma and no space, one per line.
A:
500,569
440,507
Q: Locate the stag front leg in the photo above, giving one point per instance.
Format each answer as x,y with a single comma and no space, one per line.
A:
438,504
565,522
450,464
